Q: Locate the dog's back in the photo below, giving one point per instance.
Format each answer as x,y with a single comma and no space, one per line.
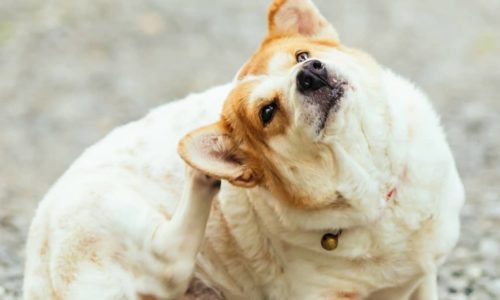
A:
96,213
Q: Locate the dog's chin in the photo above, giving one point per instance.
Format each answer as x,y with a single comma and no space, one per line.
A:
329,104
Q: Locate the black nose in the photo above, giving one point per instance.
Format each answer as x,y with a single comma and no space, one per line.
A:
312,77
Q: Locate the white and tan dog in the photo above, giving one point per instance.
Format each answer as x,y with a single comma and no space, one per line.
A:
337,183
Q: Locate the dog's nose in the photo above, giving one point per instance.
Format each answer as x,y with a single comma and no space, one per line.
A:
312,76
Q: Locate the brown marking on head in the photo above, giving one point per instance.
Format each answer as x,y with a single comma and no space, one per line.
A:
273,9
233,148
259,62
241,114
252,138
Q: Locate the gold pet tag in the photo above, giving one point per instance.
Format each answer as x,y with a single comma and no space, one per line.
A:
330,241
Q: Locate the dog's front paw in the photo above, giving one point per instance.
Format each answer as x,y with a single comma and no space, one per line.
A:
202,182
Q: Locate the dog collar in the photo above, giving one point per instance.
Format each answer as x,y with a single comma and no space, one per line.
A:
330,240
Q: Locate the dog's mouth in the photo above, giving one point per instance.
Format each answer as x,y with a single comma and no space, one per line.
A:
322,91
322,103
331,102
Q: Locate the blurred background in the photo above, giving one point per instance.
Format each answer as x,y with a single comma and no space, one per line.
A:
70,71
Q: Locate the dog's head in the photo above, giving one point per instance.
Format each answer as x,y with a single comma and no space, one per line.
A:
300,94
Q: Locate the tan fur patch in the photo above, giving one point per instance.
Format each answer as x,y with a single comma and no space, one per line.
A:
44,248
82,247
247,132
273,10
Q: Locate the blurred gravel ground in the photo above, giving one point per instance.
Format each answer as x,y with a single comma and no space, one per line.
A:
70,71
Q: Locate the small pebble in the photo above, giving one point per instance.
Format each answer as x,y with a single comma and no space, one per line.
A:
469,290
458,283
494,286
489,247
479,295
474,272
461,253
458,273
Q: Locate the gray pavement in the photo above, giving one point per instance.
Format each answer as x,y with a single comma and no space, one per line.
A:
70,71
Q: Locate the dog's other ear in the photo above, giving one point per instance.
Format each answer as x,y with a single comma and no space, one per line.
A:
211,150
298,17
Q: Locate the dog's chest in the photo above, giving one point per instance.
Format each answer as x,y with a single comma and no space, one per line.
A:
292,264
311,270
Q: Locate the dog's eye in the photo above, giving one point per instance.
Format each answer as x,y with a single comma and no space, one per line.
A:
302,56
267,113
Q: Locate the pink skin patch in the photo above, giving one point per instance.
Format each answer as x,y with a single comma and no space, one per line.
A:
390,194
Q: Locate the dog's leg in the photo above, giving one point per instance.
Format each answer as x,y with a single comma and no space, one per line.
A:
427,290
178,241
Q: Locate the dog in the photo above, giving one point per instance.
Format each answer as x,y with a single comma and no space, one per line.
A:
316,174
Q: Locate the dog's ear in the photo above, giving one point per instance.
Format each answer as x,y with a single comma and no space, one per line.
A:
298,17
211,150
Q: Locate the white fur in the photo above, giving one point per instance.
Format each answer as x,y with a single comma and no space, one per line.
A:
116,191
103,230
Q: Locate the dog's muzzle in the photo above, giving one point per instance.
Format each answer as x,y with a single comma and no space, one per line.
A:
322,90
314,80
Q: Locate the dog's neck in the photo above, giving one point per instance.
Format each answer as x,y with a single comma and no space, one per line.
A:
260,215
